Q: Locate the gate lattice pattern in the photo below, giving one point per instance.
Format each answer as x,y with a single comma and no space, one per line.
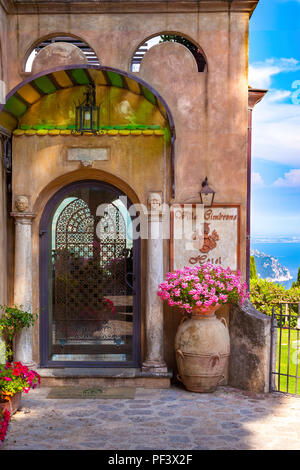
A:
90,265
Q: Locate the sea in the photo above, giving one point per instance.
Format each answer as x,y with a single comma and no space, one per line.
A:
287,252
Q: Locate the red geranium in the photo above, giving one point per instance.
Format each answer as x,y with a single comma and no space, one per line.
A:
4,421
15,377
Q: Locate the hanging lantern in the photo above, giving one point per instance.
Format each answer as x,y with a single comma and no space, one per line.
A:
87,117
207,194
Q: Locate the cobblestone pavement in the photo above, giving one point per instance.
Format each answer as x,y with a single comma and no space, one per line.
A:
158,419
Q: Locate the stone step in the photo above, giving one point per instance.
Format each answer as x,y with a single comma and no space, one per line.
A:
105,377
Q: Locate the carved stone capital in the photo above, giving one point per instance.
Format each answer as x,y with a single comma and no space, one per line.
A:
23,218
155,200
21,203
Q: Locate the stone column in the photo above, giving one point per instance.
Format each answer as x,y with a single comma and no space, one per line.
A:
23,277
154,362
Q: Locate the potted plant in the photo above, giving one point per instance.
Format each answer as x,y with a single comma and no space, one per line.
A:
15,378
12,321
4,421
202,341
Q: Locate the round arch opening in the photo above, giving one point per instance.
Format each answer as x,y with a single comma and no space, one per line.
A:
56,38
168,36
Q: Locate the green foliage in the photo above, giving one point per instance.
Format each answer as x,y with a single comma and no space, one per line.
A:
253,272
12,321
180,39
265,295
297,283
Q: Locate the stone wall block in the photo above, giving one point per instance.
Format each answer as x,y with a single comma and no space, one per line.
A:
250,336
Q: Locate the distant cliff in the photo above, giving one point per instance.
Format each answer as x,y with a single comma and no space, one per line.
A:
269,268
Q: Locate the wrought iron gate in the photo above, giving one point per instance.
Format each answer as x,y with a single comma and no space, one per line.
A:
285,348
89,269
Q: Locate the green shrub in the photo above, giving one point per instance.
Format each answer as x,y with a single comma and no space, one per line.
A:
265,295
12,321
253,272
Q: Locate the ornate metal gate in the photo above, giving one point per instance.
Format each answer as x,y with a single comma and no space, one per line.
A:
285,348
91,302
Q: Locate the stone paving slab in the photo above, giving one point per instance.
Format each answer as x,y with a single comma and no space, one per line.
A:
158,420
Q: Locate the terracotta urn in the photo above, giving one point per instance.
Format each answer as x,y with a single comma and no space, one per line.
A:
202,348
11,403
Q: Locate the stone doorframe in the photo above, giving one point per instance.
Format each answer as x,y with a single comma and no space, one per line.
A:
154,362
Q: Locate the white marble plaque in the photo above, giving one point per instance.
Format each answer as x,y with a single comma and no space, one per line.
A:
88,155
215,241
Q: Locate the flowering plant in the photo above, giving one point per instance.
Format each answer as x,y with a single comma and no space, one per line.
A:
14,377
4,420
203,286
12,321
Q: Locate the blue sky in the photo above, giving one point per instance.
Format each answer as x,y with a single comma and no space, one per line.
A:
274,64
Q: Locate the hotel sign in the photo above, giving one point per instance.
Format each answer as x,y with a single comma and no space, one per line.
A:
205,235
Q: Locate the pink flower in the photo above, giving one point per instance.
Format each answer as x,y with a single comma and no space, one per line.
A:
208,285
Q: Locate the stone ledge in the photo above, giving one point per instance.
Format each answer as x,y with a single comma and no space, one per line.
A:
121,6
109,377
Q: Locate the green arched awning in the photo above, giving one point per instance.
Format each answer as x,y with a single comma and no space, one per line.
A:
35,95
41,86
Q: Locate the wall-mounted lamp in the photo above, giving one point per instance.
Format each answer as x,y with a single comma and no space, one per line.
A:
87,117
207,194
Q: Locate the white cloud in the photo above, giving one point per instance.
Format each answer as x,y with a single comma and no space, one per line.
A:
276,123
291,179
276,135
278,95
261,73
257,180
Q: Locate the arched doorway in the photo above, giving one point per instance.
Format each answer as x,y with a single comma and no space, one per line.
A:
89,279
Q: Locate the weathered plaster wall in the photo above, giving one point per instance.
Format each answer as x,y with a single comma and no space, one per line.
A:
57,54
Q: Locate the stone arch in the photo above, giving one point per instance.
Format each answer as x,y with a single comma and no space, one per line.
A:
82,174
168,36
76,49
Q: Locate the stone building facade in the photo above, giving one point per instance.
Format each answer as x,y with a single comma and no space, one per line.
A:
163,127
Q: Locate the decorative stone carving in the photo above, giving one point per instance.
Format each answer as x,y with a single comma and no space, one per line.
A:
87,156
87,163
155,202
21,203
